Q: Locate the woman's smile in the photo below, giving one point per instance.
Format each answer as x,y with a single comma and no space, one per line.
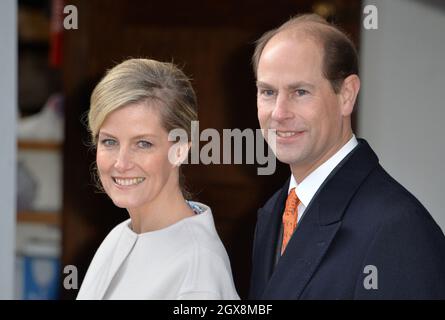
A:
127,181
132,157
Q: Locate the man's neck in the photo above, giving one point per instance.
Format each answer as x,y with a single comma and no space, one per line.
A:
301,171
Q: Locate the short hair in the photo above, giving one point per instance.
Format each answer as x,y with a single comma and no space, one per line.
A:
145,80
141,81
339,53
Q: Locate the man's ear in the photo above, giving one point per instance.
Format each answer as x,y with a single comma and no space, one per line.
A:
348,94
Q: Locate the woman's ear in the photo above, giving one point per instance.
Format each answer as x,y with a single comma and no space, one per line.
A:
178,153
348,94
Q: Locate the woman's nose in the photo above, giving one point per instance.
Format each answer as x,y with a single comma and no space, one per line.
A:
124,160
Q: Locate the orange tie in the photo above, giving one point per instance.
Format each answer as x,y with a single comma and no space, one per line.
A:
290,217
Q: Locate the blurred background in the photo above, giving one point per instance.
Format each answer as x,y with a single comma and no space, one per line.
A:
50,213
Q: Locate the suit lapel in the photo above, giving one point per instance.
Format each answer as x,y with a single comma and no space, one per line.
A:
319,225
303,254
266,235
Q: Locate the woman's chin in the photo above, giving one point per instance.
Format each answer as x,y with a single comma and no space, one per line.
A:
122,203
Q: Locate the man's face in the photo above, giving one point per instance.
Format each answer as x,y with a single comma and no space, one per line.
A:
297,101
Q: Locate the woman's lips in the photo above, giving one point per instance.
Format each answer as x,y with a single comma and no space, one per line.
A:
127,182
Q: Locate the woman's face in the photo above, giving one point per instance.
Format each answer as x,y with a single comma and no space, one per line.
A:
132,157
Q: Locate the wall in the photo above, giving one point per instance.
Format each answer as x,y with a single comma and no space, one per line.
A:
401,109
8,114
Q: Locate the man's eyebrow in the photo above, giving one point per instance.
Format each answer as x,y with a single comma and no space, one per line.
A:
263,84
292,86
300,84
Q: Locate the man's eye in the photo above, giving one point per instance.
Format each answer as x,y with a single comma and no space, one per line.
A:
144,144
301,92
267,92
108,142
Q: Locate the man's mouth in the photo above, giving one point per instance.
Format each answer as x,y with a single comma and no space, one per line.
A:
287,134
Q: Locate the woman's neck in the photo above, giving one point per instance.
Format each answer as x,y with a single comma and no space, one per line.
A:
167,209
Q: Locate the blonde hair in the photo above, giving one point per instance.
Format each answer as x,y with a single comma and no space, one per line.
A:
145,80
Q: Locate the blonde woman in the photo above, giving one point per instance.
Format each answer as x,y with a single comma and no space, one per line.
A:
168,248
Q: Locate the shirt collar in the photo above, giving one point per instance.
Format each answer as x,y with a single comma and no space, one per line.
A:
310,185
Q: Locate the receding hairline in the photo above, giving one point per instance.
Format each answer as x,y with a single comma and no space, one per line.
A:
296,33
313,27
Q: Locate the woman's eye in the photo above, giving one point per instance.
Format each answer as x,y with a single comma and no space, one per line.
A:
144,144
108,142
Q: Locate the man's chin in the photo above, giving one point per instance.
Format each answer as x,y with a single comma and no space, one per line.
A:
287,157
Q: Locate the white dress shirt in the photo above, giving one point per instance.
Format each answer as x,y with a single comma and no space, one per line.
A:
307,188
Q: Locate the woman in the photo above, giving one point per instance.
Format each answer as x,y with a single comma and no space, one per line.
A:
168,248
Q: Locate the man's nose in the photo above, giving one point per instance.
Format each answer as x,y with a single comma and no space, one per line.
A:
282,109
124,160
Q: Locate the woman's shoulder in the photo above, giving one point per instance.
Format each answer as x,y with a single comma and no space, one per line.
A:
209,272
201,232
200,227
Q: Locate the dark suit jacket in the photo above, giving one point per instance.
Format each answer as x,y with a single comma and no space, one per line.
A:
359,217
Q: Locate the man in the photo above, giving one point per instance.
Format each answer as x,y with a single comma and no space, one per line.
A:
340,227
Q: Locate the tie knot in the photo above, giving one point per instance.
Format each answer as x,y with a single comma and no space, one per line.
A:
292,200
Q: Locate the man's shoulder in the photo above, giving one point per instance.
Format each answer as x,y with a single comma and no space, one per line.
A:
374,186
382,202
382,187
272,200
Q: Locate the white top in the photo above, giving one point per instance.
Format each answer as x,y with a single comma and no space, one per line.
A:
186,260
310,185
